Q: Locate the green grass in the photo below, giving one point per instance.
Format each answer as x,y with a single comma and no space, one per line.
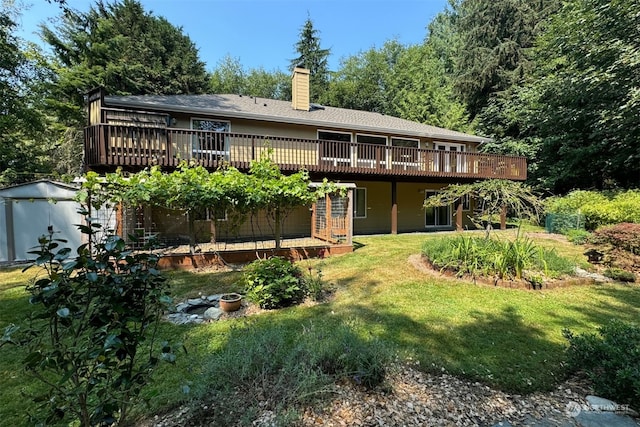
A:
509,338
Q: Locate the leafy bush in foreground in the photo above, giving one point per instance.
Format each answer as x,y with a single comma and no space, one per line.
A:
611,359
92,315
274,283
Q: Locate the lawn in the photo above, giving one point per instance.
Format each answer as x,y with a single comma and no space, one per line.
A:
509,338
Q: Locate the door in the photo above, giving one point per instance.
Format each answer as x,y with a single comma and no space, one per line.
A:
439,216
451,159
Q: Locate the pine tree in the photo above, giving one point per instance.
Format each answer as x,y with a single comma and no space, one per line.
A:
312,57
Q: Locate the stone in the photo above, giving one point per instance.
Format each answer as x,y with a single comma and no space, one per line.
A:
599,419
182,306
194,301
212,313
602,404
215,297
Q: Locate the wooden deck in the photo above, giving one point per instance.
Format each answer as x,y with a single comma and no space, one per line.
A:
108,146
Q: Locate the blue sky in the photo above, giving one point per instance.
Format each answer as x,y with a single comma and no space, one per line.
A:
263,32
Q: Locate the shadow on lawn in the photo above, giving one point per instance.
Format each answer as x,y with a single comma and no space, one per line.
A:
500,349
601,312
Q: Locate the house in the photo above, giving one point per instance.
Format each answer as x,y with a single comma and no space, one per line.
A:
394,163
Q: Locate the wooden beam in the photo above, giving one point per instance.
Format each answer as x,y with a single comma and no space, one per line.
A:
459,216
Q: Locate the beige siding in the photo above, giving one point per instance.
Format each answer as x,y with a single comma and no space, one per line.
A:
378,218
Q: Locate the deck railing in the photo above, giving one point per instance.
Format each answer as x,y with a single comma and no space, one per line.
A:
108,145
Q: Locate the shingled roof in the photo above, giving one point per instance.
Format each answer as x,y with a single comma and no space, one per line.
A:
271,110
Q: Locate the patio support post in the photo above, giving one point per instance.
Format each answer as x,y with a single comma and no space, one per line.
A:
394,207
459,216
503,218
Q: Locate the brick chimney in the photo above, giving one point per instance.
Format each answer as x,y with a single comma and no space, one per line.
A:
300,89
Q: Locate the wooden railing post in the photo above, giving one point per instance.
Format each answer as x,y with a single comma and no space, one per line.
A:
328,216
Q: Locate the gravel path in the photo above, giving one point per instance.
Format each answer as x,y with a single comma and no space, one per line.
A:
414,398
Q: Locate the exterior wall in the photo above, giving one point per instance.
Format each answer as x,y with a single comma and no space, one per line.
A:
411,214
378,218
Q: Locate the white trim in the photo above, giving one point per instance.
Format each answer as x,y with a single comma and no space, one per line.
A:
355,196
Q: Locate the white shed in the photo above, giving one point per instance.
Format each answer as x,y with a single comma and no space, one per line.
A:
28,210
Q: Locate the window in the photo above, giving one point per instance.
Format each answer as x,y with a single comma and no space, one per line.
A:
336,147
210,125
466,202
369,151
404,142
211,143
438,216
214,214
360,203
404,153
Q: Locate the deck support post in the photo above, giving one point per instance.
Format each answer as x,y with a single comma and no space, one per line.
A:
394,207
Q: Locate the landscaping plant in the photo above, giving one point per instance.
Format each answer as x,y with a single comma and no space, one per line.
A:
479,256
91,334
274,283
610,358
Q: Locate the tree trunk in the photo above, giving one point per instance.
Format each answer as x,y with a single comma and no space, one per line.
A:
278,228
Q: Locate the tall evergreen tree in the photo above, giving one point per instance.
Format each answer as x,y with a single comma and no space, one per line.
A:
494,35
123,48
314,58
23,143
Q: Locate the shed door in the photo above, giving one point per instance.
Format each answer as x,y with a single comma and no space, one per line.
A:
32,218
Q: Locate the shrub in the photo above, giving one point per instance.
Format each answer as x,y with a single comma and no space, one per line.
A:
620,275
598,208
611,359
274,283
578,237
625,236
91,316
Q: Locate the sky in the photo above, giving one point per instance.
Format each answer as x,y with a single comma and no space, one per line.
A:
262,33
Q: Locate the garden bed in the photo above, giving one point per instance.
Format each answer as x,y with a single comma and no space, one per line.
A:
422,263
